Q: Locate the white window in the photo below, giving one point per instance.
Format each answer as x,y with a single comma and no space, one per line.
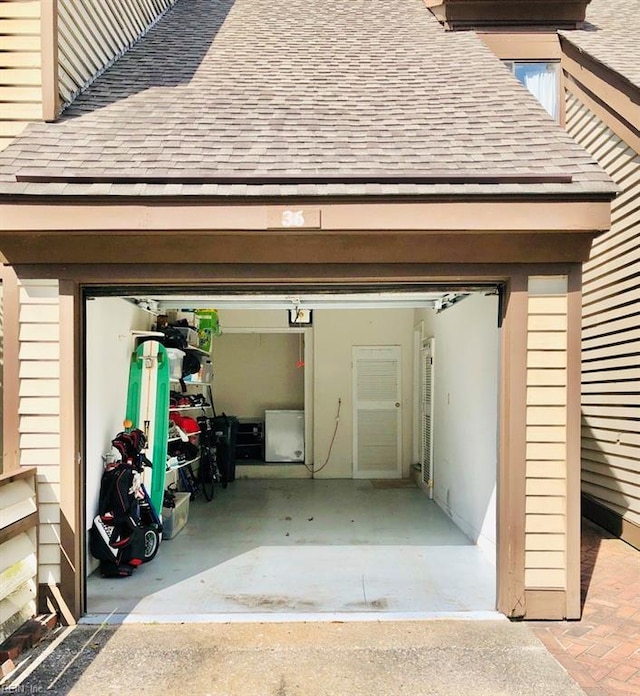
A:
542,80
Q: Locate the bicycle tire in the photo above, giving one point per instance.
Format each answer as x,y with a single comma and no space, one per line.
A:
208,477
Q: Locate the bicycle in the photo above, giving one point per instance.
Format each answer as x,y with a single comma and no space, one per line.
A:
208,473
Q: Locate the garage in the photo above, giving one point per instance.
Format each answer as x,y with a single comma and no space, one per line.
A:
335,530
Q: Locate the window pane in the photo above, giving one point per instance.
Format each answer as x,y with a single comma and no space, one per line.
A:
541,79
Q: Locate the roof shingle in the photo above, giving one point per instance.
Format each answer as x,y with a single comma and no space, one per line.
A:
282,89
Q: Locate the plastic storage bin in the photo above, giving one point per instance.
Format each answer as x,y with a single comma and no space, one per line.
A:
174,519
175,362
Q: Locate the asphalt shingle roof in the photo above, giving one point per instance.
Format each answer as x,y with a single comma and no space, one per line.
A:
612,36
287,97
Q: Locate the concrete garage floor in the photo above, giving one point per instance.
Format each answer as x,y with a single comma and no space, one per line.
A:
306,549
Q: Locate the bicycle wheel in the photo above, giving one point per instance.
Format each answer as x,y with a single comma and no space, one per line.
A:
207,473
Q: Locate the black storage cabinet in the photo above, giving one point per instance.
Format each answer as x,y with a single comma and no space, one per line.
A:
250,440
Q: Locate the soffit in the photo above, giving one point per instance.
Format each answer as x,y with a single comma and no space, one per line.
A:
295,97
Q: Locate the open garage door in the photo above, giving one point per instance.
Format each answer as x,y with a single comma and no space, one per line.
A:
312,536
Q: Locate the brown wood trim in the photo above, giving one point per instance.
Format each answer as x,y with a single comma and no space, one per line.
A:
299,249
10,386
624,130
72,536
254,277
472,13
523,45
153,216
512,450
613,522
545,604
49,46
617,98
13,530
574,421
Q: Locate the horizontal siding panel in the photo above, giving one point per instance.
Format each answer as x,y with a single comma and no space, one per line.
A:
605,484
39,314
630,504
20,27
628,335
39,406
39,424
21,43
546,505
612,473
39,369
614,375
546,396
546,469
49,513
48,474
40,457
21,94
40,441
21,112
545,524
538,578
547,322
609,411
537,433
598,293
39,332
39,387
49,534
548,305
545,542
49,574
28,9
628,453
545,559
546,415
49,554
49,493
609,352
547,340
39,351
547,378
620,432
20,76
546,451
546,358
544,486
614,362
616,399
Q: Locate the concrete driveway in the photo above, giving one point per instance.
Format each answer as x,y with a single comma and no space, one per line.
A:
385,658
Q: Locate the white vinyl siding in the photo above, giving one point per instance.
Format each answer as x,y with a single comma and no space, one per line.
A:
39,412
546,472
92,34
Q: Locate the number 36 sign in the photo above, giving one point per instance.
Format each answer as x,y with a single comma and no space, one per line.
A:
294,218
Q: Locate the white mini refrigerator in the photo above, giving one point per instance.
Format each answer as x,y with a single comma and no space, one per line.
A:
284,436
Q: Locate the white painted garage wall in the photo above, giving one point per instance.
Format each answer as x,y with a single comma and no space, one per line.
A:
110,321
335,332
257,371
466,414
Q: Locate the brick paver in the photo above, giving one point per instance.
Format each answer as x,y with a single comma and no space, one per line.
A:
602,650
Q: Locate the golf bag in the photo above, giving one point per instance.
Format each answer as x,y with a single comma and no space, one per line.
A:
126,532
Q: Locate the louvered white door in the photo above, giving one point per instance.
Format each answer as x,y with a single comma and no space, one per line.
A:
426,413
377,422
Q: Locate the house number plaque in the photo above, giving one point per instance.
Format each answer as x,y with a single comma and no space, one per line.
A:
294,218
